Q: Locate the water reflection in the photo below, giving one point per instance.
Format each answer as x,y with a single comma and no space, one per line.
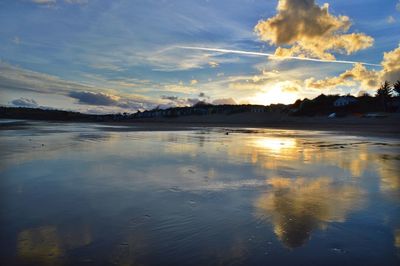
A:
296,207
275,144
388,170
130,250
211,197
48,244
40,245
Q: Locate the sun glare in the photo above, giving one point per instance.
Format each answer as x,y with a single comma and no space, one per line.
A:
275,144
275,95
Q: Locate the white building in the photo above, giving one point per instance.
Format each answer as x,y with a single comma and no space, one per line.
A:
344,101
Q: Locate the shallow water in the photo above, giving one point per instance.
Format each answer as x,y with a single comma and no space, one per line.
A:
93,195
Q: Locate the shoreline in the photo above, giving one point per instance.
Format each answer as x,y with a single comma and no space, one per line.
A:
380,127
375,127
360,130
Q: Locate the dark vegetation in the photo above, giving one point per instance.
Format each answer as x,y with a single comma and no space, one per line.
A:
54,115
386,99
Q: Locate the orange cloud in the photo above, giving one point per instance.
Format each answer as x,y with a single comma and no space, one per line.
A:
391,65
310,31
367,78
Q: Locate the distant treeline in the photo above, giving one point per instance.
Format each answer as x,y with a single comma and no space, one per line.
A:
386,99
325,104
52,115
201,108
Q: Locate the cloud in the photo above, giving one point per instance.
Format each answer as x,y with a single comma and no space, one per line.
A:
203,95
24,102
171,98
224,101
180,88
175,101
116,82
310,31
92,98
16,40
398,6
21,80
391,65
213,64
391,20
24,81
193,101
44,2
174,58
290,89
79,2
103,99
369,79
52,2
14,78
256,82
280,53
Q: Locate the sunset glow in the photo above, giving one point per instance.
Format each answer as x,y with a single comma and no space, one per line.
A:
108,56
274,95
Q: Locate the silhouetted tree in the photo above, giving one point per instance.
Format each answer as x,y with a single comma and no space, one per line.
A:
384,93
384,90
297,103
396,88
367,103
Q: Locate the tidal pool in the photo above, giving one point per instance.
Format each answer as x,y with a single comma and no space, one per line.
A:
85,194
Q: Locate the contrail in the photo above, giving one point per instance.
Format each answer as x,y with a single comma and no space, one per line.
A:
274,56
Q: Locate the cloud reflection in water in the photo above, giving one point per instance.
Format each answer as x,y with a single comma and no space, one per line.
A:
296,207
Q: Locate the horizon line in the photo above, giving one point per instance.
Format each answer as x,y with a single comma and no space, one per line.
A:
229,51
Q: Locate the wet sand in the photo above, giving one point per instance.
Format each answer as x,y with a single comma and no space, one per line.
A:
100,194
386,126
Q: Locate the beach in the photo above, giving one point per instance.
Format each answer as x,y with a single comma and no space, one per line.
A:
385,126
190,193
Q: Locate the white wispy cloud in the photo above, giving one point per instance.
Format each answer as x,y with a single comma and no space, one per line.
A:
271,55
44,2
52,2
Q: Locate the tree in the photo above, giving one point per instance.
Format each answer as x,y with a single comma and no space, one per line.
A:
396,88
384,93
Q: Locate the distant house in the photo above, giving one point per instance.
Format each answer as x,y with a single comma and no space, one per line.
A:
258,109
344,101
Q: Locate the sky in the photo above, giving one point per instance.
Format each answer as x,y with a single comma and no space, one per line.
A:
101,56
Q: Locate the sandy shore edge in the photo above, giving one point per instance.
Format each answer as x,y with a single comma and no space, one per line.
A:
375,127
